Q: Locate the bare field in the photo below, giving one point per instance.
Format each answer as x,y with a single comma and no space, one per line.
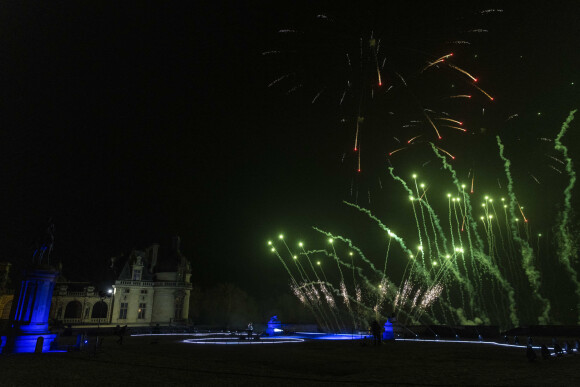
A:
166,361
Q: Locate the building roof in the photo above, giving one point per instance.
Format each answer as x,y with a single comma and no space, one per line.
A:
154,259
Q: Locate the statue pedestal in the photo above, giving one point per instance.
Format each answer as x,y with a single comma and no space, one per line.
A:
274,327
32,343
30,325
388,333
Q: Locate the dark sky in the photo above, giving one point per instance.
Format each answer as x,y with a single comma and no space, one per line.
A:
128,123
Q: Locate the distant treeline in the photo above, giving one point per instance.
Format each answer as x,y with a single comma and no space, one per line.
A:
227,306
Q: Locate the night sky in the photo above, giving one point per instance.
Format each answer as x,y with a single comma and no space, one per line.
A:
130,123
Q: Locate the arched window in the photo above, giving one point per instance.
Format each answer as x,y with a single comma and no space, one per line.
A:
100,310
73,310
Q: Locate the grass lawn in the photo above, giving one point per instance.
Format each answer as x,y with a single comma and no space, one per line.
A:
166,361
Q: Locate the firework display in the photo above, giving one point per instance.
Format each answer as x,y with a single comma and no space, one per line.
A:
466,252
475,261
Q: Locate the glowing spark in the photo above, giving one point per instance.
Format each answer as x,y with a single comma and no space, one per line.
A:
431,295
342,98
521,210
534,177
293,89
402,79
279,79
397,150
556,159
358,293
430,64
359,122
455,127
450,120
317,95
464,72
344,294
432,124
554,168
487,95
411,140
447,153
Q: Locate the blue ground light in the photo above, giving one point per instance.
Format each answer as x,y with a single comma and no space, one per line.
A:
231,338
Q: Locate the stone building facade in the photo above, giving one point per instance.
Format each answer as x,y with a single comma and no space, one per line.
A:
151,286
73,305
6,292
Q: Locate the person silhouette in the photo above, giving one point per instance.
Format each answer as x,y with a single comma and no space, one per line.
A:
530,353
545,352
376,330
250,330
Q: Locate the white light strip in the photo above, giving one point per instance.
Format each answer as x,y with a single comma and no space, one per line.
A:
480,342
242,342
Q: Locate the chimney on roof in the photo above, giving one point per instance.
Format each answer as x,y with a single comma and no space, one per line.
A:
176,243
152,251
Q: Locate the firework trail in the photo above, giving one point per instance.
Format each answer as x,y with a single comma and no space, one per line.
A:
476,249
527,252
565,240
486,94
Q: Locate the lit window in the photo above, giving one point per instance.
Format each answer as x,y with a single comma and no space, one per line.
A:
142,310
137,275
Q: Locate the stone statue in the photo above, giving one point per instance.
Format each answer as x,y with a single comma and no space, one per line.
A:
44,246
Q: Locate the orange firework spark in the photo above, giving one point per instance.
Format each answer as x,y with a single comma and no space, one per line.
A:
460,96
446,56
450,120
429,64
424,192
408,142
438,60
472,181
487,95
455,127
447,153
373,44
464,72
396,150
432,124
358,123
523,216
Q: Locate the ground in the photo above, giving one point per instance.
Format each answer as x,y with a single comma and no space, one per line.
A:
167,361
